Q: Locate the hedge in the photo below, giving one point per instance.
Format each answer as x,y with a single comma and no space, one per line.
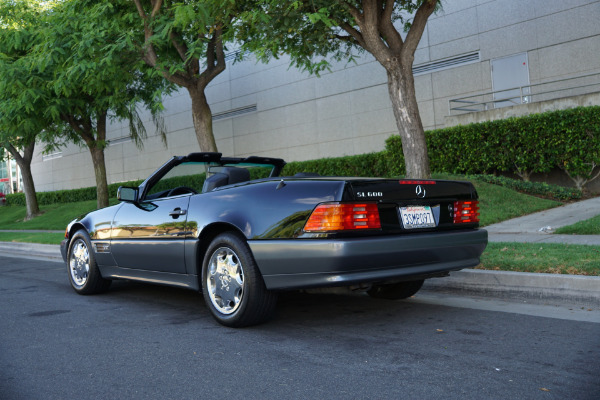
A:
67,196
370,164
543,189
567,139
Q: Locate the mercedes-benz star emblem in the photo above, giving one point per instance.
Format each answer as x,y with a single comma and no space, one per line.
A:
420,191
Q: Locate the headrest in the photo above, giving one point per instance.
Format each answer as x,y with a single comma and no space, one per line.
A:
225,176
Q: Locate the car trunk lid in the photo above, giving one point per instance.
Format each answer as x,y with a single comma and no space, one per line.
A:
418,205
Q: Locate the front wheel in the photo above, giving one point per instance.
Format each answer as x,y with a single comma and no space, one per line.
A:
233,288
395,291
84,274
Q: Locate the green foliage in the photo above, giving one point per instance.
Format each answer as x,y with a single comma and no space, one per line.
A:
67,196
316,32
92,72
538,143
23,93
371,164
535,188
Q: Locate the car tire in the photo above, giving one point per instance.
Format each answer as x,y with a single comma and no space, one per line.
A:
84,275
232,285
395,291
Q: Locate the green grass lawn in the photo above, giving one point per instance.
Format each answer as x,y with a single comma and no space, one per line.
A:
54,217
497,204
25,237
588,227
536,257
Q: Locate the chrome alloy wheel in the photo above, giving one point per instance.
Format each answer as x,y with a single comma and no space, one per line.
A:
79,263
225,280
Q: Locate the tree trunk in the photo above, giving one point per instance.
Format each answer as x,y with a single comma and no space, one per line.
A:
100,173
24,162
202,117
97,151
401,87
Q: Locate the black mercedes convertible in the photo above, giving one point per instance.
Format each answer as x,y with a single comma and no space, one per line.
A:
239,232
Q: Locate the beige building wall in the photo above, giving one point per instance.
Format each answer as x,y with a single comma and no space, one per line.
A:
295,116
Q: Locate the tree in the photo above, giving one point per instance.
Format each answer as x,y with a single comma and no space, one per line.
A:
313,31
20,97
93,81
178,37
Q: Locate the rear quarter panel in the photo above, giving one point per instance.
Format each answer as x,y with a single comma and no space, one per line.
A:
264,209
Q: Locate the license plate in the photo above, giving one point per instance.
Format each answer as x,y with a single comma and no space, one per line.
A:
414,217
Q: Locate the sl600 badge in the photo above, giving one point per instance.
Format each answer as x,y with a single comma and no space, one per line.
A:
369,194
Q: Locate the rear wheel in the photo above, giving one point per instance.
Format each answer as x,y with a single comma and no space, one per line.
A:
84,274
395,291
233,288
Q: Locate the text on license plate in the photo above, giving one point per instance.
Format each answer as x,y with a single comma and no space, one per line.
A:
417,217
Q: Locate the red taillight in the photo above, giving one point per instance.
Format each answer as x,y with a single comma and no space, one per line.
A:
413,182
67,233
466,212
343,216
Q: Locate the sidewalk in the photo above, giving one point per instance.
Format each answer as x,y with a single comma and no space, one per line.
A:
31,250
538,227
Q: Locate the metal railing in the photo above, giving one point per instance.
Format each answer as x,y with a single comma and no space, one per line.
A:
579,85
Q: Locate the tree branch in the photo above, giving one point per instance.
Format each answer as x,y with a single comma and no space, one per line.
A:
371,39
348,39
78,127
355,12
140,9
179,45
176,78
388,30
156,5
215,59
416,31
14,152
356,35
149,56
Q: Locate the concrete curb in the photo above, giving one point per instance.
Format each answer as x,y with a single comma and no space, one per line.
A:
578,289
31,250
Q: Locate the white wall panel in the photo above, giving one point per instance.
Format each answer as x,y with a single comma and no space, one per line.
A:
347,110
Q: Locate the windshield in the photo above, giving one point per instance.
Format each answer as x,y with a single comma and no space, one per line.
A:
190,177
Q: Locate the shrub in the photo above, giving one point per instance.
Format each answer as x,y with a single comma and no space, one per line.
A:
370,164
555,192
67,196
567,139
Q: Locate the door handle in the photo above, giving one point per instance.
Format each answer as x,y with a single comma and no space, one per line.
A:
177,212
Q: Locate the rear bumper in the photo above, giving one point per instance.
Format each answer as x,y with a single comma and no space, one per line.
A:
295,264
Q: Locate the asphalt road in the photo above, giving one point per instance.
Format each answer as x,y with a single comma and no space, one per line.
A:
150,342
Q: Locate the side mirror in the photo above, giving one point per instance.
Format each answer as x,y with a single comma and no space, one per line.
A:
127,194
